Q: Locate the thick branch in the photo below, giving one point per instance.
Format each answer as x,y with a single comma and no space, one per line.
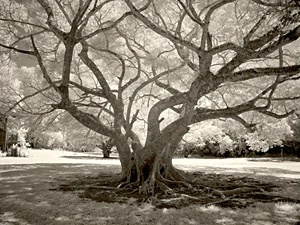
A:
249,126
279,3
43,68
59,33
275,115
144,84
205,27
90,121
86,90
98,74
167,87
259,72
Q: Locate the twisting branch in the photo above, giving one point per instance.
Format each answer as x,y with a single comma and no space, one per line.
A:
112,24
202,114
25,23
18,50
275,115
161,31
212,9
259,72
144,84
80,13
42,66
59,33
139,66
95,9
192,15
249,126
98,74
254,29
86,90
29,96
93,104
104,29
64,12
123,68
280,3
259,47
182,52
167,87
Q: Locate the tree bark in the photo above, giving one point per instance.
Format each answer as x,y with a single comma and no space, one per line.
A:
150,167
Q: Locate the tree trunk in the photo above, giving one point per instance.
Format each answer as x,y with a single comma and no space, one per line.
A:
151,167
106,147
124,156
106,153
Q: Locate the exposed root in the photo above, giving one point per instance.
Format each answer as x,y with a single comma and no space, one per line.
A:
86,187
179,175
222,191
132,184
241,190
180,197
190,197
219,202
147,188
123,184
170,182
167,190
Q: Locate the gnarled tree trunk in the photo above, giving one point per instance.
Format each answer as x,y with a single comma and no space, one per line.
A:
150,167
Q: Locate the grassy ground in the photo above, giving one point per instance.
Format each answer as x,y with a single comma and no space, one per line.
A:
32,194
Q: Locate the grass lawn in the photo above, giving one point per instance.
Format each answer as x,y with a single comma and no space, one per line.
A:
32,192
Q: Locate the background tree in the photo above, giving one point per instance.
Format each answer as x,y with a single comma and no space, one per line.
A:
103,62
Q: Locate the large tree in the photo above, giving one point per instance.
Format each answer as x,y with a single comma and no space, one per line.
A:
111,64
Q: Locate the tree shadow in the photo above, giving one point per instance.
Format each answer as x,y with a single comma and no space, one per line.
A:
208,189
88,157
278,159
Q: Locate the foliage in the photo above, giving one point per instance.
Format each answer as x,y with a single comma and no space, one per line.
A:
294,123
208,133
268,135
59,130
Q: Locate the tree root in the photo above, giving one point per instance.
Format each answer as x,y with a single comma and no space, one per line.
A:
170,182
85,187
181,196
224,201
128,184
147,188
105,187
241,190
167,190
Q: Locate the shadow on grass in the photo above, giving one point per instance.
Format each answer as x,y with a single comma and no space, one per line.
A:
88,157
208,189
284,159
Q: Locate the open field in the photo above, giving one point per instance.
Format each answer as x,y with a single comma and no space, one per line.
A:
29,195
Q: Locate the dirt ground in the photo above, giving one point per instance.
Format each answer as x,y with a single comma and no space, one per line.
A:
57,187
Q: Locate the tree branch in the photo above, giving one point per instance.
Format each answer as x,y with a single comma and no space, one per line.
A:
161,31
98,74
42,66
29,96
279,3
18,50
259,72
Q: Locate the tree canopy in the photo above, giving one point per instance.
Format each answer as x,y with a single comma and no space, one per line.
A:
115,64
